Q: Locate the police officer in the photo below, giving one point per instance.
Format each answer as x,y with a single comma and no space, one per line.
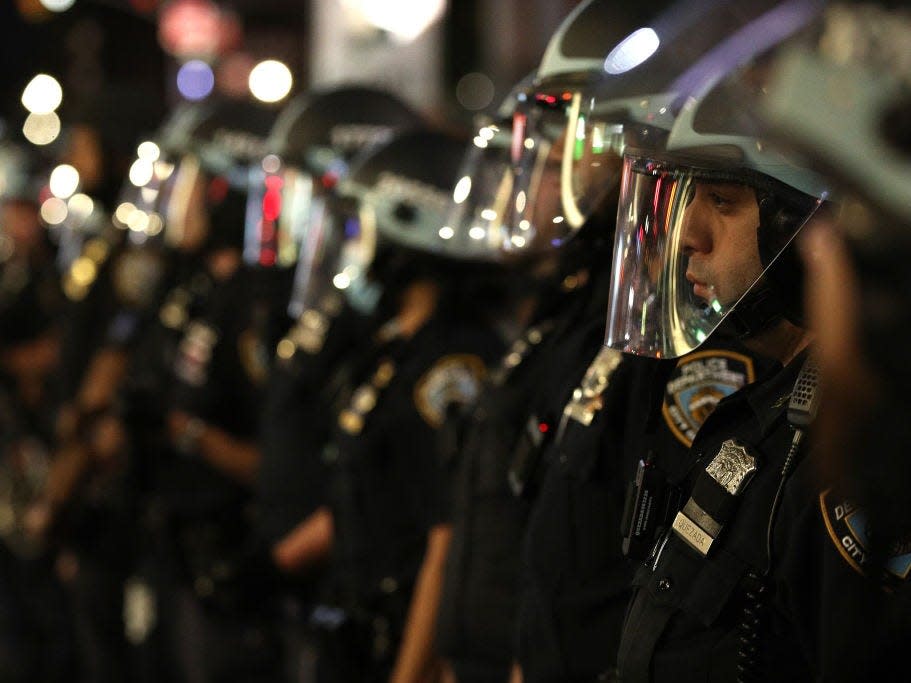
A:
516,184
387,517
862,511
310,148
575,577
218,327
33,605
701,604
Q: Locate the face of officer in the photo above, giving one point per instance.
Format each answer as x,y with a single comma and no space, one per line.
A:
720,241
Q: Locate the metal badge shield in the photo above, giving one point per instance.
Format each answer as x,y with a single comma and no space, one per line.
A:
587,397
732,467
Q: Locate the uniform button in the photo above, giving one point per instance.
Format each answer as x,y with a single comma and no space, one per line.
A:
664,585
389,585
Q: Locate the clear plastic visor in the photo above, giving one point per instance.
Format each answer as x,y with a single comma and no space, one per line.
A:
537,222
281,202
336,252
564,160
146,197
686,251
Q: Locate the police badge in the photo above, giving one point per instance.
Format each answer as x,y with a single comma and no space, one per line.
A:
709,507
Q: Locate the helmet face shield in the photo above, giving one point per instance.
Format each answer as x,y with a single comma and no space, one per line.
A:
591,159
335,256
687,250
281,201
565,159
482,199
167,200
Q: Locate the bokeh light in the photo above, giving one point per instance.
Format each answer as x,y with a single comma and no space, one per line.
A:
141,172
195,80
63,181
475,91
270,81
148,151
42,95
57,5
632,51
53,211
41,129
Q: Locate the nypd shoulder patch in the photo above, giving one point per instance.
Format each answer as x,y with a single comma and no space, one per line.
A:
697,384
453,379
846,524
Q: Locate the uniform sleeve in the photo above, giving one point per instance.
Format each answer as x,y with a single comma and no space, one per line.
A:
449,384
849,626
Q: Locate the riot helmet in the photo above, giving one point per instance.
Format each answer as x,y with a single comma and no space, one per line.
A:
189,184
854,59
386,223
707,211
307,152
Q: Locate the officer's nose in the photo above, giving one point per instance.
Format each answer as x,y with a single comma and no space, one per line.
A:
696,227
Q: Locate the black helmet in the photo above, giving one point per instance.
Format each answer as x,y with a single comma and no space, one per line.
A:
856,58
196,172
676,100
307,152
388,220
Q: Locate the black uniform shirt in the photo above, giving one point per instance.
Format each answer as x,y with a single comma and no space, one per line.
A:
577,578
297,422
849,618
478,613
220,371
389,489
690,611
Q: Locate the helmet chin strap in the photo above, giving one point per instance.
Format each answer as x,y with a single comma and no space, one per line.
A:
756,312
778,295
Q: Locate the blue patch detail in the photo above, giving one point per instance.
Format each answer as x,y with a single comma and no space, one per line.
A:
900,565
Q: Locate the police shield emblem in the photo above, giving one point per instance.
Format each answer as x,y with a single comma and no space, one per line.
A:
454,379
697,384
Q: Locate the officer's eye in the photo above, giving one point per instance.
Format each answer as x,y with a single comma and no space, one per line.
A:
719,200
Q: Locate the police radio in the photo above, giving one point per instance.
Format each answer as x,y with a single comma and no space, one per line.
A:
649,502
525,470
802,408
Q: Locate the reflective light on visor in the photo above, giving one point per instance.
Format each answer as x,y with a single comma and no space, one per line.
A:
632,51
272,200
579,148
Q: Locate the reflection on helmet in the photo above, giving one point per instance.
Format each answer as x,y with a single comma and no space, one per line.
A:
862,140
308,152
389,212
182,187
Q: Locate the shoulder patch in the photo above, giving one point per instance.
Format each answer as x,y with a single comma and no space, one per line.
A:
846,524
697,384
452,379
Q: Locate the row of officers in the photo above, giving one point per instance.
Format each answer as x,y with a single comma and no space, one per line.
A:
327,395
